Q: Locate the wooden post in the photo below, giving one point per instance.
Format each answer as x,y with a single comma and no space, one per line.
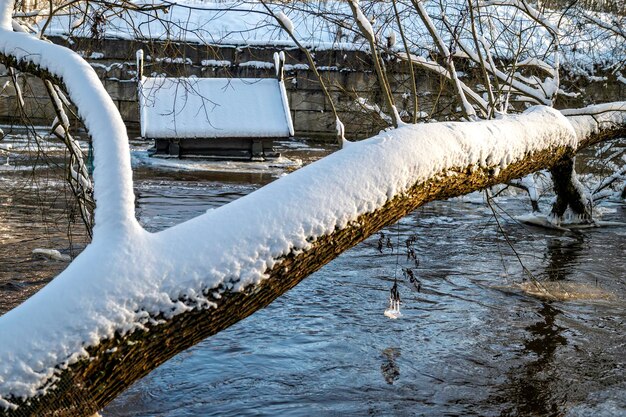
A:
567,193
279,65
139,56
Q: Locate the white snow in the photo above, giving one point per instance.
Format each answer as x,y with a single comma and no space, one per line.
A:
566,224
393,313
527,8
340,129
435,67
257,64
295,67
585,44
214,107
534,62
374,108
112,175
363,20
285,21
141,158
177,60
590,119
119,284
128,276
215,63
52,254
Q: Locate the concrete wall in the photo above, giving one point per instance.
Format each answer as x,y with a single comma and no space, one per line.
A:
347,73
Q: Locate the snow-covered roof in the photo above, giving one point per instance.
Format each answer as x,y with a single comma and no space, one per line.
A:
214,108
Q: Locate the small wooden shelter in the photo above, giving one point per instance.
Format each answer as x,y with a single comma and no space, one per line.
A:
232,118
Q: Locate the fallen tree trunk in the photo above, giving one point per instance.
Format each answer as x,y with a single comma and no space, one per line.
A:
112,364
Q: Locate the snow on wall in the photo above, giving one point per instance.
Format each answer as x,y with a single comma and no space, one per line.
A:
213,108
117,285
583,45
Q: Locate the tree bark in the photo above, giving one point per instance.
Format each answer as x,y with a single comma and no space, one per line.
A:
114,364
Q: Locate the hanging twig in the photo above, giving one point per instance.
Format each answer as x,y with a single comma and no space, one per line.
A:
77,171
508,241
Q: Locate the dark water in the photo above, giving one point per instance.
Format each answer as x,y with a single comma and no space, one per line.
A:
471,342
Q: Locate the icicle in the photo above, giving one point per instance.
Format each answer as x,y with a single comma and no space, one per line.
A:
393,312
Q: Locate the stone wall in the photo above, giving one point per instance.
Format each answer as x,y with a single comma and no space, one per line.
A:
347,73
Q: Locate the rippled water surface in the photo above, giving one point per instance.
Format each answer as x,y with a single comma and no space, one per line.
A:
473,341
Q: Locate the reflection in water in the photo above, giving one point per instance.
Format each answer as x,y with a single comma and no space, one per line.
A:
545,335
534,392
536,387
562,256
389,367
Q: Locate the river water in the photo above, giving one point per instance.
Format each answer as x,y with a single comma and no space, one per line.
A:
477,339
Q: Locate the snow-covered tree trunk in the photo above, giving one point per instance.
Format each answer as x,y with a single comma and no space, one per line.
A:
133,299
86,379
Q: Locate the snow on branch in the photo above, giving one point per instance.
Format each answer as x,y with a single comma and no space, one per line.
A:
615,27
530,11
147,280
362,20
143,280
468,110
438,69
286,23
533,90
113,189
118,288
537,63
592,120
366,30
